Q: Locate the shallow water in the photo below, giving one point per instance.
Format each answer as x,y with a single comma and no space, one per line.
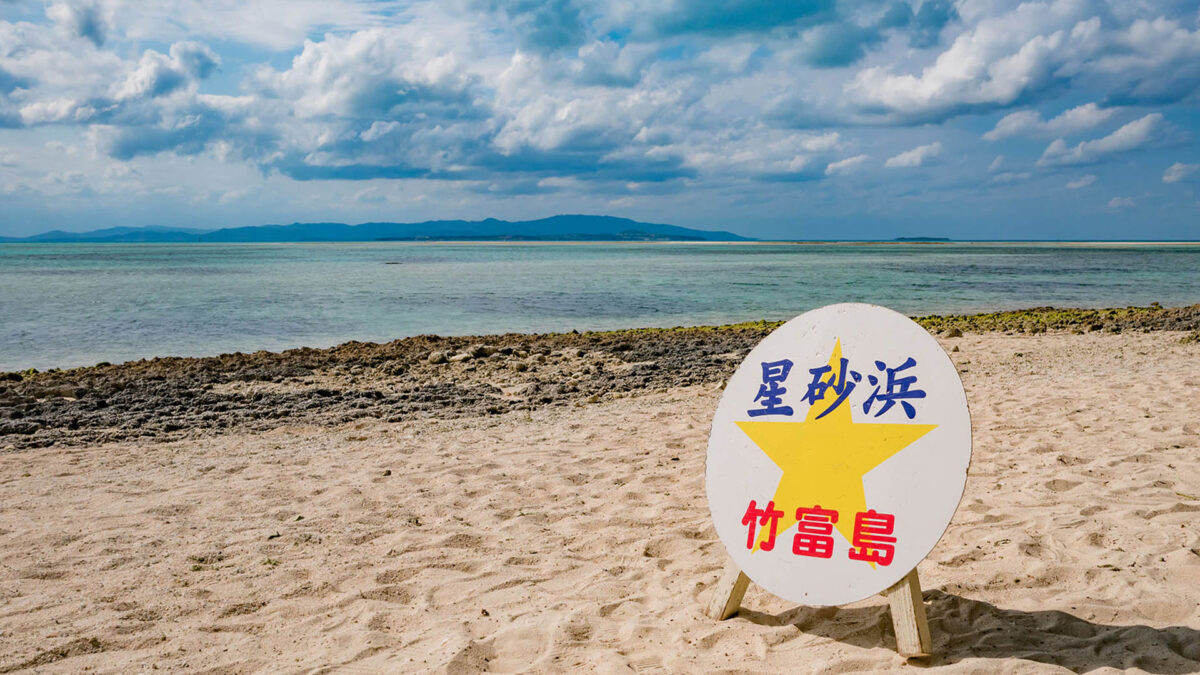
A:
66,305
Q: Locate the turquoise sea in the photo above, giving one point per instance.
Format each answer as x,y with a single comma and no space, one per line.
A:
65,305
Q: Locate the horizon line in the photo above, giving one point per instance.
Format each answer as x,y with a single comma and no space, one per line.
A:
747,241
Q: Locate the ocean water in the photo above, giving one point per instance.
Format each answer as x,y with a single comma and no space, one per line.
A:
64,305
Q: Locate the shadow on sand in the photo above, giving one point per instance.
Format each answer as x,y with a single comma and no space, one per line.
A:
972,629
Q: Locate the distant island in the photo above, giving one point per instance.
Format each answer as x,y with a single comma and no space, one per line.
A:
920,240
554,228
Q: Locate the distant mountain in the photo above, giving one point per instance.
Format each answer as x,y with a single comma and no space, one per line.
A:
149,233
555,228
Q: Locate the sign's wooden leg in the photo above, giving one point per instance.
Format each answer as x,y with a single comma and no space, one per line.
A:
728,593
904,598
908,617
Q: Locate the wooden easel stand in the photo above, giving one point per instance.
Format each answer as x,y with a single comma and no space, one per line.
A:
904,599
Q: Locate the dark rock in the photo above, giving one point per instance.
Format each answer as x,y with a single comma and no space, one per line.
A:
169,397
19,428
481,351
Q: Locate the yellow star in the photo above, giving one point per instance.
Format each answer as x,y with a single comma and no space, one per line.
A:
824,460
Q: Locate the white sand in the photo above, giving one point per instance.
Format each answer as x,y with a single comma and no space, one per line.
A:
573,539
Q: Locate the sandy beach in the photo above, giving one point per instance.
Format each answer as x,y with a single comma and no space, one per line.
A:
360,336
243,516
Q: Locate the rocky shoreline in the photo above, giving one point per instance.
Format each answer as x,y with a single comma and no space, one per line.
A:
430,376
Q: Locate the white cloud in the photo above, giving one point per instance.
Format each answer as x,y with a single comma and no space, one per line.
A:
1081,182
1003,58
1030,122
1011,177
1121,203
276,24
79,19
846,166
820,142
465,97
158,74
990,65
1178,171
372,74
48,110
604,62
914,157
1136,134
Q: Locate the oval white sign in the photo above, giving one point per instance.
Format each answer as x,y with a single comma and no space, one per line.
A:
838,454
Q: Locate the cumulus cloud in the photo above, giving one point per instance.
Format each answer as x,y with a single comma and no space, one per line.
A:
1027,53
1081,182
1030,122
188,130
125,97
629,98
377,104
836,44
845,166
373,75
9,82
79,20
543,25
158,74
1121,203
1152,61
992,65
1178,172
195,59
929,20
1134,135
606,63
272,24
915,157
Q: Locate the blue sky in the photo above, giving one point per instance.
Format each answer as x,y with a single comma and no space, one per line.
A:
1069,119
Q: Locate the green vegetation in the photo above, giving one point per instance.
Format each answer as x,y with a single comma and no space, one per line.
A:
1043,319
1035,320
